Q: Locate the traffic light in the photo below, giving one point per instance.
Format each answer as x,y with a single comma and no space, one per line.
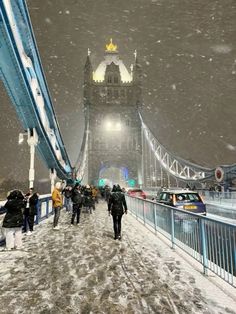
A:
131,182
101,182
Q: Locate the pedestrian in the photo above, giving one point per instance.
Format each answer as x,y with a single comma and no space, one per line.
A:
77,200
117,207
67,193
57,204
13,219
88,198
107,193
94,196
30,211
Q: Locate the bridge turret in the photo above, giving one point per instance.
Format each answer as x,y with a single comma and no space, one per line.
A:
137,79
110,101
88,76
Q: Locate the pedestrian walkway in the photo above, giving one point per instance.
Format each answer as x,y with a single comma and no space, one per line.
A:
82,269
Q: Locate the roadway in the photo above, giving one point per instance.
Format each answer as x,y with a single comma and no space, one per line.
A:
223,211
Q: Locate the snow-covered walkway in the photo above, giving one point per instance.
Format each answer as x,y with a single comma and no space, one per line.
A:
81,269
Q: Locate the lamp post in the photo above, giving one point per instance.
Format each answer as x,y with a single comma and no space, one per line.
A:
32,142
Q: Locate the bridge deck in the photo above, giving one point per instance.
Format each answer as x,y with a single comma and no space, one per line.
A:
83,270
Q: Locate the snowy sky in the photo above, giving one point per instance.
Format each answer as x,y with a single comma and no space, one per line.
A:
187,52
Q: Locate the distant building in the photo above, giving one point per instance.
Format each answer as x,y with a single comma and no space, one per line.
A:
112,98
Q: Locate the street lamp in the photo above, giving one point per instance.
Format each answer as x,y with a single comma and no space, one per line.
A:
32,142
113,126
21,137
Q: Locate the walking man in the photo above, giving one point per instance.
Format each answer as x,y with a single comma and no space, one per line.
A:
57,204
67,193
117,207
30,211
77,203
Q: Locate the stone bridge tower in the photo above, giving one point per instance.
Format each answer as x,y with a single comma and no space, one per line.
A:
112,98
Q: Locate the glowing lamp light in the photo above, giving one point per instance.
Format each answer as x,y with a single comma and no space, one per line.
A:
21,137
108,125
113,126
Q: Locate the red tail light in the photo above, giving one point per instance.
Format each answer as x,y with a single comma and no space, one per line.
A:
143,195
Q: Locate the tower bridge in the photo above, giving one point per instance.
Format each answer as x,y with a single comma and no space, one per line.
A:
118,147
115,136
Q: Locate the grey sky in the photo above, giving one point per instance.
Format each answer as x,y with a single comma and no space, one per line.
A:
187,52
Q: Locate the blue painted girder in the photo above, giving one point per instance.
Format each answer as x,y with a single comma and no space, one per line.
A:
22,74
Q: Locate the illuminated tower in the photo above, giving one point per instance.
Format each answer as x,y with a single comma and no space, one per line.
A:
112,97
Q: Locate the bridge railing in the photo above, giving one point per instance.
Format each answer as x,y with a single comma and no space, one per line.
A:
227,199
209,241
44,208
223,198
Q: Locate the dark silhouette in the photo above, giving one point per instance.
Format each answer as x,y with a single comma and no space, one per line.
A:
117,207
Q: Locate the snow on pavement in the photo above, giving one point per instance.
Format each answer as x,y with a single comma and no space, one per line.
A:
82,269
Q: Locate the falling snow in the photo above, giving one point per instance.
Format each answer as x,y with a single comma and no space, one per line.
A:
187,54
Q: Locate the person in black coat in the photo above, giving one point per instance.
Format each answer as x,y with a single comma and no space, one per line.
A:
77,200
88,198
13,219
67,191
31,210
117,207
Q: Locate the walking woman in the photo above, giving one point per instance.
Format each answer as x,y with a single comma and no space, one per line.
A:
117,207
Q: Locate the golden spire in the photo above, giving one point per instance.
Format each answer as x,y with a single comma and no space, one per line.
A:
111,47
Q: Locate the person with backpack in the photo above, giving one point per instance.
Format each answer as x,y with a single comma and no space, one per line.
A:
77,200
117,207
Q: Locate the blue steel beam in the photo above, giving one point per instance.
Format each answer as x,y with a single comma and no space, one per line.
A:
22,74
180,168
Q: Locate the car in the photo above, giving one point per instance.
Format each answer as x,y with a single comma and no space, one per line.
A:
137,193
187,200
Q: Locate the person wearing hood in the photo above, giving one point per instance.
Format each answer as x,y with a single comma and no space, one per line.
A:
57,204
13,219
77,200
88,198
117,207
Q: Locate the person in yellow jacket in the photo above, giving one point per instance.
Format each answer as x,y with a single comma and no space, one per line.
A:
94,196
57,204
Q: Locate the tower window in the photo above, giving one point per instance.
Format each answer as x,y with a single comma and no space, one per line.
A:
116,81
109,79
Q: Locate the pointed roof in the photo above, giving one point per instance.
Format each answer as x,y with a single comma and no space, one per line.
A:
111,47
111,56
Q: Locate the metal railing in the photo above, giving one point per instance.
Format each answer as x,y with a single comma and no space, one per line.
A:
209,241
44,209
227,199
